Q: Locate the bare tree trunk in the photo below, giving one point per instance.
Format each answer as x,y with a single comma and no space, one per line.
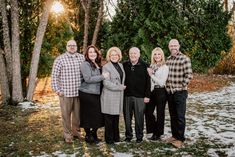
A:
6,41
86,6
3,80
98,22
17,95
226,5
37,49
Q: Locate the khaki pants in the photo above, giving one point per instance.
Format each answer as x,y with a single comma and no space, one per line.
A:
70,111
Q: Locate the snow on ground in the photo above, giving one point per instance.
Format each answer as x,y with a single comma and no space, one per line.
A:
29,105
210,115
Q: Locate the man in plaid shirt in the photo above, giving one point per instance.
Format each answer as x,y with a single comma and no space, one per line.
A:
180,73
66,79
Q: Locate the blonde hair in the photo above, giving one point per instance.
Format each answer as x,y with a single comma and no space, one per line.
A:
158,49
116,49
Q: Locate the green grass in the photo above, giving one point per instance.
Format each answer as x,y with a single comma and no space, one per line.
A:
36,132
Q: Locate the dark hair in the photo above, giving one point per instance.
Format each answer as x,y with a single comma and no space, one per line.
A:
98,58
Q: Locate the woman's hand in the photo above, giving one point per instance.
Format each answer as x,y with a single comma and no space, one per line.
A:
105,74
150,71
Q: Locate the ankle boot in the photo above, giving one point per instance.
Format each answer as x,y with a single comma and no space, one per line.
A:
94,135
88,135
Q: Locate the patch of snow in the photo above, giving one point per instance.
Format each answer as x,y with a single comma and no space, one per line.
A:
231,152
212,152
30,105
211,115
122,154
27,105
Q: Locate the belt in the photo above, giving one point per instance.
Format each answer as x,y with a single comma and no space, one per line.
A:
158,86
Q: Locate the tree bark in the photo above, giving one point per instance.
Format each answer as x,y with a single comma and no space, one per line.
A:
226,5
37,49
17,95
6,41
86,6
98,22
3,80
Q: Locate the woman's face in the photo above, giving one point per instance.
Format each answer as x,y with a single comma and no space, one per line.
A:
114,57
92,55
157,56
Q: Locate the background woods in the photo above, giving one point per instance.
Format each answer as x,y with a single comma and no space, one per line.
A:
31,36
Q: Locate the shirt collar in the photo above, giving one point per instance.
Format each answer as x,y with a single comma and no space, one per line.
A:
71,55
178,54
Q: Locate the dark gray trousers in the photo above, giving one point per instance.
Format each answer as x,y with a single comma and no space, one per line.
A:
136,106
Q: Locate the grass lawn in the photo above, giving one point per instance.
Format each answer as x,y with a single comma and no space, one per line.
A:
38,131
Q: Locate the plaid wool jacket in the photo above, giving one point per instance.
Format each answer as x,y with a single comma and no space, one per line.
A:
66,74
180,73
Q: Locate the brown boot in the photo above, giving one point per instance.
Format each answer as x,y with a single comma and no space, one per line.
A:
177,143
170,140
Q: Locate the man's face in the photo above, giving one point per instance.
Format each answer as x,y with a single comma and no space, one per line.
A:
174,47
134,56
71,46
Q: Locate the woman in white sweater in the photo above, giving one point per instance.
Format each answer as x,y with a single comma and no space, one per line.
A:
158,72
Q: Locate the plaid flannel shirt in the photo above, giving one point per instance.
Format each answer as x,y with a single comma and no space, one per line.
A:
66,74
180,73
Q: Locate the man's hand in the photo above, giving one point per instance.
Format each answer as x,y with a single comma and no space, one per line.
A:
60,94
146,100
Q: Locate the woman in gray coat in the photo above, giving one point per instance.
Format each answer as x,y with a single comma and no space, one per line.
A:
112,94
89,92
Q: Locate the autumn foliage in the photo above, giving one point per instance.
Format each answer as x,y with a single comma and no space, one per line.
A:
227,64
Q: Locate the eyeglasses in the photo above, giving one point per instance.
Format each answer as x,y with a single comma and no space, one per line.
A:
72,45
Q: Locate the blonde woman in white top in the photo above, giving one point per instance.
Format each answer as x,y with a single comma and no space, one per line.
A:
158,72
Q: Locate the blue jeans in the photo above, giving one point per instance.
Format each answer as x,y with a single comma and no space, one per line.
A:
177,109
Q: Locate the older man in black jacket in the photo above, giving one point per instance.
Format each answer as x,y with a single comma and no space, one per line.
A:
137,93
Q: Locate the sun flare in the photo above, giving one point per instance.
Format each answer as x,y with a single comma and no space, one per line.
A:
57,7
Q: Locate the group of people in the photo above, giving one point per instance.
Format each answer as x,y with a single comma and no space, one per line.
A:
93,96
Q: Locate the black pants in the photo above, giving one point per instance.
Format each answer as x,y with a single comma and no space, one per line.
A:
137,106
111,125
177,109
157,100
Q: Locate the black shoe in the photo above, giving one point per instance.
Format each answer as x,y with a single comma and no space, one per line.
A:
86,138
109,142
127,140
154,138
95,137
118,140
89,139
97,140
139,140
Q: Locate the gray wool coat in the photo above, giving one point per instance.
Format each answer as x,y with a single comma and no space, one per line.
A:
113,90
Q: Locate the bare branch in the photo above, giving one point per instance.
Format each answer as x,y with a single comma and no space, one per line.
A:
98,22
83,2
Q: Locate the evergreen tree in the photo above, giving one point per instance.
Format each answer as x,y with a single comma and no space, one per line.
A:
200,26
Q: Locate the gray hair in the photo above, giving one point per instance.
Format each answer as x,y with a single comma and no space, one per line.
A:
135,49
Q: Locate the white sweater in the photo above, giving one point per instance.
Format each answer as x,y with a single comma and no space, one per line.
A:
160,76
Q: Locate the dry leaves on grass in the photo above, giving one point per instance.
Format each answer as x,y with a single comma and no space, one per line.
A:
205,83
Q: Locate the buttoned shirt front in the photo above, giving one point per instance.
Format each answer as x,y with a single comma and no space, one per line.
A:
66,74
180,73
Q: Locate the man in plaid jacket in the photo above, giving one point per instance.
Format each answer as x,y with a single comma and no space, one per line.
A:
66,79
180,73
